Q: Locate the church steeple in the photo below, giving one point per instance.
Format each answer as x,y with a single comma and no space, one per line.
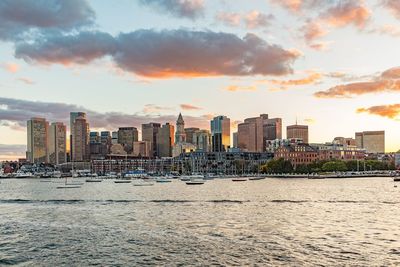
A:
180,135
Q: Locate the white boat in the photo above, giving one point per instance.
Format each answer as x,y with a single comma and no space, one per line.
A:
163,180
21,174
239,179
256,178
143,183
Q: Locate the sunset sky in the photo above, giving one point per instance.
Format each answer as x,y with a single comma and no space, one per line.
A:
332,64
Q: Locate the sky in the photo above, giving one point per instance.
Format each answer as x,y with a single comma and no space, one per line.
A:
330,64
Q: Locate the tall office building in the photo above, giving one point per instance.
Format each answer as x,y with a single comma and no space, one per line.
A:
165,140
180,134
297,132
371,141
141,149
272,129
220,133
57,143
72,117
189,134
250,135
126,137
94,137
235,140
80,139
114,138
37,147
149,133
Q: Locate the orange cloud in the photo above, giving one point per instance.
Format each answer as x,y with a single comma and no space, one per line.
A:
26,81
313,30
235,88
393,6
229,18
343,14
388,111
11,67
292,5
312,78
388,81
189,107
252,20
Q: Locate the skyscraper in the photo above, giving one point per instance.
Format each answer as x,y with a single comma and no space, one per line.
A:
165,140
220,133
57,143
149,133
202,140
189,134
80,139
72,117
37,148
272,129
297,131
180,135
126,137
250,135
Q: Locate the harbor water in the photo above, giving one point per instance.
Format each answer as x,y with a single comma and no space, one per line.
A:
271,222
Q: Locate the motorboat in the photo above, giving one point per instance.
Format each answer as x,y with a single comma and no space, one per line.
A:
256,178
239,179
122,181
68,186
163,180
195,182
21,174
93,180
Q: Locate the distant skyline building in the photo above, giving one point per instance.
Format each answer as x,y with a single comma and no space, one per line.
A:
72,117
371,141
180,134
220,133
165,140
272,128
297,132
37,143
127,136
149,133
250,135
202,140
80,139
189,134
57,149
141,149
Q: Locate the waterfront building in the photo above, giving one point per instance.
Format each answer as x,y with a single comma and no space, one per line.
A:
117,149
344,141
149,133
272,128
273,145
57,143
141,149
180,134
80,139
37,145
165,140
202,140
189,134
126,137
298,132
371,141
250,135
72,117
220,133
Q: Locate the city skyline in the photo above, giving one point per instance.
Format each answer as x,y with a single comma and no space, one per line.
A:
335,68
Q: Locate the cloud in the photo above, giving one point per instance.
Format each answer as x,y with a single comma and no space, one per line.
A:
12,151
17,112
388,29
81,49
168,53
388,111
11,67
229,18
151,108
346,13
26,81
21,17
292,5
312,78
387,81
393,6
189,107
236,88
252,20
313,30
191,9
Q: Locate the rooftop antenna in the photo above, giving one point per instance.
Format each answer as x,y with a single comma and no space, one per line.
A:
296,120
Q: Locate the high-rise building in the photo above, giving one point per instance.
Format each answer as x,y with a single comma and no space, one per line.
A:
165,140
126,137
180,135
235,139
297,132
149,133
114,138
220,133
272,129
202,140
72,117
57,143
371,141
38,139
94,137
141,149
80,139
250,136
189,134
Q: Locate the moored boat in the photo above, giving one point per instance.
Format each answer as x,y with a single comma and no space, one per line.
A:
239,179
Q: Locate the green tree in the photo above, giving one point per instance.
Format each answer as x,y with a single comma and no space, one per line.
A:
332,166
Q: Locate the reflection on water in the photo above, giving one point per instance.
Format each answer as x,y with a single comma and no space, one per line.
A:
295,222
